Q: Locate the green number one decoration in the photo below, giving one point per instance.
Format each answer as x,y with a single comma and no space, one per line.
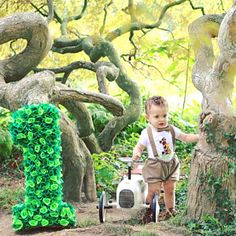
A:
35,129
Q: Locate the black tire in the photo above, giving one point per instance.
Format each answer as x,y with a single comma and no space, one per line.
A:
155,209
101,207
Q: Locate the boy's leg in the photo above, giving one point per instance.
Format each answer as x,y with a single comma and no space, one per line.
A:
169,193
152,189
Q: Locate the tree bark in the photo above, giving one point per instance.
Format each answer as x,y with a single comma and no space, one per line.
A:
133,110
84,124
78,168
63,93
77,162
211,182
31,27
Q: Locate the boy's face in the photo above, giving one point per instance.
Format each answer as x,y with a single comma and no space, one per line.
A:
158,116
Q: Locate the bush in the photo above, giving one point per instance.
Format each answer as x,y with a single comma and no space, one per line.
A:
181,194
5,138
100,117
5,145
107,171
209,225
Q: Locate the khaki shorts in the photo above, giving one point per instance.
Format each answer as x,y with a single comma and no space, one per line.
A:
156,170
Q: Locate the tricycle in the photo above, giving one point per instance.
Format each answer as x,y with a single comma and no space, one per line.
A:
131,192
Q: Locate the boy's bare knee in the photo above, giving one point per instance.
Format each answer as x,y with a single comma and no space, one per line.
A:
152,189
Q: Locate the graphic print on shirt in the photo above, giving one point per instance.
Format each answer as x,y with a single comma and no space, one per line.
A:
166,146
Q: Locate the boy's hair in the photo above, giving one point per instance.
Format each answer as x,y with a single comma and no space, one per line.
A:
155,100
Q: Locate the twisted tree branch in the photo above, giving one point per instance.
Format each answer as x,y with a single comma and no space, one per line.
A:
101,30
140,26
196,8
80,15
63,93
201,31
103,70
32,27
50,10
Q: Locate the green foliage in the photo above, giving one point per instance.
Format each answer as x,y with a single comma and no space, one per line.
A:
225,207
171,49
128,138
107,175
100,117
5,144
230,151
36,130
227,151
181,197
5,138
181,194
209,225
191,112
13,167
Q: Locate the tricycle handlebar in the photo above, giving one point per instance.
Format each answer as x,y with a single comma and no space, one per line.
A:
129,160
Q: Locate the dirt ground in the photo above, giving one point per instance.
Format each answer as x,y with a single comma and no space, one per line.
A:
118,222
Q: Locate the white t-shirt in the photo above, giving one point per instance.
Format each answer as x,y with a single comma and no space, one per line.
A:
163,142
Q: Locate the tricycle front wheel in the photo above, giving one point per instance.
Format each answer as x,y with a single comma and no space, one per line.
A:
102,207
155,209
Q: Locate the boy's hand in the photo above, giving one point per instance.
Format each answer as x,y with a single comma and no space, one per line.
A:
136,157
188,138
137,152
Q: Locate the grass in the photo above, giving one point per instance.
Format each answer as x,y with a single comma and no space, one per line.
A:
137,218
85,222
10,197
118,230
144,233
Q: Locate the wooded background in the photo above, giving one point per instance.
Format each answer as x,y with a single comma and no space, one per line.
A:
116,53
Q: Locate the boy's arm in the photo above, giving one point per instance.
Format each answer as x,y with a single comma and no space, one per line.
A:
188,138
137,152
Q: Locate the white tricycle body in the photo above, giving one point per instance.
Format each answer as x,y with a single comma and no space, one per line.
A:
131,193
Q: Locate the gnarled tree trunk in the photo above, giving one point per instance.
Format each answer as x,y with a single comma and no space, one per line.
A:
212,179
78,143
40,88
